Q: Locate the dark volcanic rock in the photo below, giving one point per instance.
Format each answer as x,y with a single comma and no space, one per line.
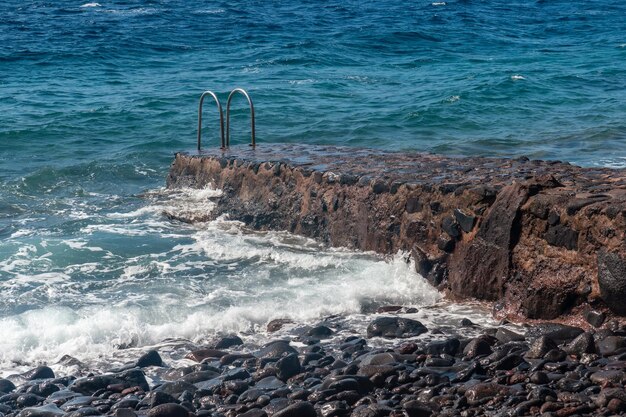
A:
277,324
6,386
255,412
228,341
48,410
583,343
534,236
371,410
40,372
562,236
288,366
150,358
201,354
479,392
595,318
558,333
320,331
395,327
176,388
505,335
480,268
417,409
168,410
276,349
448,347
540,347
610,345
466,221
199,376
28,400
89,385
299,409
612,280
477,347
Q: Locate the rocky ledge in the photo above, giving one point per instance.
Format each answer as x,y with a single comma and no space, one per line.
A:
539,239
553,371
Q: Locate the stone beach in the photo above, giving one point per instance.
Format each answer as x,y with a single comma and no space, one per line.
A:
548,370
538,241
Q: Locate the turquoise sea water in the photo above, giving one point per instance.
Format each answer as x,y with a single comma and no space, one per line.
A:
96,97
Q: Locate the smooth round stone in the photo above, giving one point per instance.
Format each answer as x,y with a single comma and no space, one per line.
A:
276,349
269,383
300,409
603,377
391,327
320,331
255,412
48,410
168,410
28,400
6,386
288,366
40,372
84,412
150,358
228,341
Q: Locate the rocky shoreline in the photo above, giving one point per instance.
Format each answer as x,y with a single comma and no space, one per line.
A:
538,239
552,370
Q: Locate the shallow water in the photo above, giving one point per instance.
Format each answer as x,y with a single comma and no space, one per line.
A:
96,97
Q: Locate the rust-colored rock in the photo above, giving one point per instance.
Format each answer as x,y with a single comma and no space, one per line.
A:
481,266
537,238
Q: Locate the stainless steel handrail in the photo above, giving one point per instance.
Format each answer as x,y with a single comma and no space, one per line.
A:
230,96
219,106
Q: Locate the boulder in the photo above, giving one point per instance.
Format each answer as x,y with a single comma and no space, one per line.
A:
288,366
228,341
275,350
150,358
299,409
612,281
48,410
391,327
6,386
558,333
483,391
40,372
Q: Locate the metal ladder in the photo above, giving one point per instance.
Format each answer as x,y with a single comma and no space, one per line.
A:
225,141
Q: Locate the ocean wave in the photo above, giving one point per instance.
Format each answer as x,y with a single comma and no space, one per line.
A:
93,333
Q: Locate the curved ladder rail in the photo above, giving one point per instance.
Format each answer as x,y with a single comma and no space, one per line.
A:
219,107
230,96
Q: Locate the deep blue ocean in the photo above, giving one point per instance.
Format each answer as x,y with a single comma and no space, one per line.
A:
95,98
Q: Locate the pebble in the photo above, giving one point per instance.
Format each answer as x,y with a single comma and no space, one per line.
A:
557,371
150,358
168,410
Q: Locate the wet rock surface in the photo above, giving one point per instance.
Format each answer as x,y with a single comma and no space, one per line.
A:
536,238
542,371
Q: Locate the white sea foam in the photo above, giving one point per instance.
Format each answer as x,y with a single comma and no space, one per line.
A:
91,333
439,3
302,82
517,77
91,5
191,282
209,11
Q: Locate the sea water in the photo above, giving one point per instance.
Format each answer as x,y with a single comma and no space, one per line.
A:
96,97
